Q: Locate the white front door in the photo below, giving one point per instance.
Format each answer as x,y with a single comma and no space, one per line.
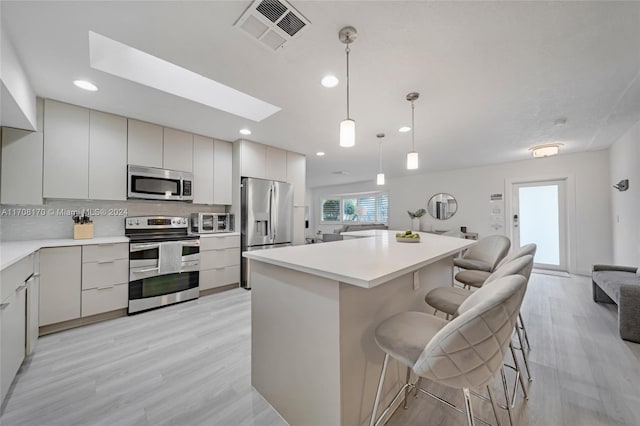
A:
539,216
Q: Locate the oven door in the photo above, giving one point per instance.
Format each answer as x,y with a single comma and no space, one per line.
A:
161,290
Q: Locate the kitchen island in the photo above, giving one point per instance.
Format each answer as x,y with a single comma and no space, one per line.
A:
314,309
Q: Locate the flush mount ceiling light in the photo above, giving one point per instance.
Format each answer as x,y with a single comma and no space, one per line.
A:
404,129
329,81
320,154
380,175
126,62
245,132
412,156
83,84
347,35
545,150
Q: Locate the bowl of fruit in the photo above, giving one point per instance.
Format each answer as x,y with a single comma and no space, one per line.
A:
407,237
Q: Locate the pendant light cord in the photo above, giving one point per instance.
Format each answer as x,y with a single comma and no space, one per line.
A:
347,50
413,130
380,157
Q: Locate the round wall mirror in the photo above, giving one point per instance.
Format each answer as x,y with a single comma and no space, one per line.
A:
442,206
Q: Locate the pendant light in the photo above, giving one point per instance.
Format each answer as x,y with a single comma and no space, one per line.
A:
412,156
347,35
380,175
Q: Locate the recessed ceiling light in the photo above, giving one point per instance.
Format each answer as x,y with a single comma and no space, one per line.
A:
320,154
83,84
404,129
246,132
329,81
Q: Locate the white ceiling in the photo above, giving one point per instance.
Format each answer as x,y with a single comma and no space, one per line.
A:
492,76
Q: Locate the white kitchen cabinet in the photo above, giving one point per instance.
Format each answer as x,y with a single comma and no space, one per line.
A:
222,172
253,158
219,261
60,284
276,164
178,150
203,170
33,305
105,278
107,156
12,341
21,167
298,226
144,144
296,175
13,319
66,151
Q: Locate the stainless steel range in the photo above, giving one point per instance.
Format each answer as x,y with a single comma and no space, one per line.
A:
164,262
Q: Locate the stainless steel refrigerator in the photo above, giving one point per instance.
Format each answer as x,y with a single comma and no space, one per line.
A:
266,217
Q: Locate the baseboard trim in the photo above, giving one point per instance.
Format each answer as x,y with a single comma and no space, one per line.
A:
79,322
218,289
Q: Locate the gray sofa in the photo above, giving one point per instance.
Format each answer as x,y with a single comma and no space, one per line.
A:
350,228
620,285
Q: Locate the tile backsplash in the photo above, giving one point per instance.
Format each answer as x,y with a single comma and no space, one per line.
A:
53,218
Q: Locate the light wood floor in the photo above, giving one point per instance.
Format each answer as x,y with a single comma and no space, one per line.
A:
188,364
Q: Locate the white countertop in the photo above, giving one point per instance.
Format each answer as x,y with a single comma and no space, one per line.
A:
14,251
364,262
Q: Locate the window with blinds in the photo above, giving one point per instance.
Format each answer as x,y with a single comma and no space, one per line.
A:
369,208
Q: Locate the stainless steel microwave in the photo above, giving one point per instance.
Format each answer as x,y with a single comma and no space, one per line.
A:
149,183
209,223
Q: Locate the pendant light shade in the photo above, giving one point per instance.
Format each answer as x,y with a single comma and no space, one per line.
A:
412,156
412,160
380,175
347,133
347,35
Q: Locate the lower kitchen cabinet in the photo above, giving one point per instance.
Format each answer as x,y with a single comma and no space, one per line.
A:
13,320
104,299
219,261
105,278
60,284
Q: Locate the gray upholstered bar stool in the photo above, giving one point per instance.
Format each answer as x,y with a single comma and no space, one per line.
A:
465,353
477,278
485,255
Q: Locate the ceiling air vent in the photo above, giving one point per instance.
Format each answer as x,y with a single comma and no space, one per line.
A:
272,22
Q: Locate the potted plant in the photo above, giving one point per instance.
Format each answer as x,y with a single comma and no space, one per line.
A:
415,218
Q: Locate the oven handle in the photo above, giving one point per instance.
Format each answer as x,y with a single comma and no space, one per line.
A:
141,271
143,246
190,243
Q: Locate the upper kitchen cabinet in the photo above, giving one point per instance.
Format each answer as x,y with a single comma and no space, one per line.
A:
296,175
21,167
66,151
203,170
145,144
178,150
107,156
222,172
276,164
212,165
253,158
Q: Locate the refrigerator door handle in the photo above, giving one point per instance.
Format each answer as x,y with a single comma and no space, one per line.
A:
273,215
270,224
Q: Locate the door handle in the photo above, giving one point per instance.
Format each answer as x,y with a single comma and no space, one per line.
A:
105,261
141,271
515,220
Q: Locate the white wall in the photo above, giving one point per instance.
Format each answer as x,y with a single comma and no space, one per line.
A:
588,191
18,107
624,163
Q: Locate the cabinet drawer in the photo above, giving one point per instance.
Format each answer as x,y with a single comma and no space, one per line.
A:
105,273
104,252
219,258
211,243
14,276
104,299
213,278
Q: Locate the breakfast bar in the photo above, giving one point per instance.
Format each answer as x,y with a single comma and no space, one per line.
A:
315,308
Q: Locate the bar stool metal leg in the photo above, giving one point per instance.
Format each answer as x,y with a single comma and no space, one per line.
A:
524,330
379,391
506,395
407,388
519,378
492,399
467,405
524,354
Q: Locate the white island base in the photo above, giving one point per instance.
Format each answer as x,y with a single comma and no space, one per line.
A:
313,355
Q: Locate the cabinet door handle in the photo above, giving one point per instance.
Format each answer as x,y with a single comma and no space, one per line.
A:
3,306
36,274
106,288
105,261
22,287
219,269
